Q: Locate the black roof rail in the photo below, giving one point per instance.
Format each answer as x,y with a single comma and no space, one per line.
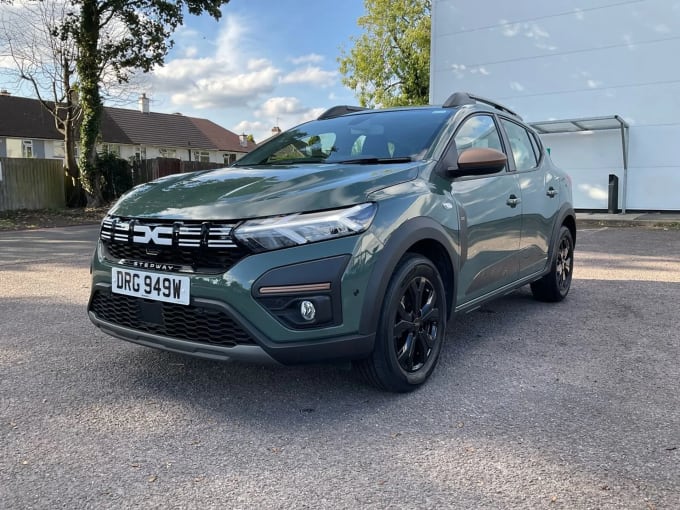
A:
464,98
339,111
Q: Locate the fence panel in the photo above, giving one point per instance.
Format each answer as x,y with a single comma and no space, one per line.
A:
151,169
31,184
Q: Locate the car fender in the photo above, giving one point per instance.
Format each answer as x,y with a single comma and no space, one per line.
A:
399,242
566,211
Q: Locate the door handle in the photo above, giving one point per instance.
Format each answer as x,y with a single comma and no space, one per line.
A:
513,201
552,192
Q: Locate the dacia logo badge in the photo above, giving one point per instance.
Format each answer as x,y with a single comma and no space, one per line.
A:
146,234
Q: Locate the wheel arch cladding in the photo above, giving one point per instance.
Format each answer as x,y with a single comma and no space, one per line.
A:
437,254
570,223
418,235
566,218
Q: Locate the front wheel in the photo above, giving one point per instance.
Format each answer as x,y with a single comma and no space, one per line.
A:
411,327
555,285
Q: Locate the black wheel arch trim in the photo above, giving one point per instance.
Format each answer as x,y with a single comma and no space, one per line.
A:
567,211
400,241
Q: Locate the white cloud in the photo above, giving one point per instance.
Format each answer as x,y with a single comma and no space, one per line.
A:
284,112
312,58
221,90
191,51
234,76
182,69
313,75
6,62
229,77
230,40
277,106
257,64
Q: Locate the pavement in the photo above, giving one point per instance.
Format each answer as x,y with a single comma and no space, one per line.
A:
533,405
645,219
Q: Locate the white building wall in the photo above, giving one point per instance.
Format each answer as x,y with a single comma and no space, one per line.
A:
54,149
565,59
14,148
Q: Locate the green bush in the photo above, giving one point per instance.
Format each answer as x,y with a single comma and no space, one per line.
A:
116,175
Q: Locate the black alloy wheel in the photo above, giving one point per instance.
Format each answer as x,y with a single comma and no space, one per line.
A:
411,328
555,285
564,265
416,325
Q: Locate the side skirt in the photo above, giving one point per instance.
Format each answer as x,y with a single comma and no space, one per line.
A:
476,303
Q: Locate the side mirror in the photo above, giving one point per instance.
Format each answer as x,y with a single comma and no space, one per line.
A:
479,161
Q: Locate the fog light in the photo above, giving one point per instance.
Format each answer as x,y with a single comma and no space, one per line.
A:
307,310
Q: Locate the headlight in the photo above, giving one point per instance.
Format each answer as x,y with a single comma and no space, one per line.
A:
295,229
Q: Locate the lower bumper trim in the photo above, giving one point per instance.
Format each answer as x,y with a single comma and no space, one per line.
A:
268,352
247,353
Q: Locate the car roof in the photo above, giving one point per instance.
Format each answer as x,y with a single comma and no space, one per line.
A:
454,101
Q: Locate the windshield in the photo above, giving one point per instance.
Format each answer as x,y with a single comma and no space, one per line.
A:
364,138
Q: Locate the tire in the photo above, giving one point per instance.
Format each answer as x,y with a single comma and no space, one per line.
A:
411,328
554,286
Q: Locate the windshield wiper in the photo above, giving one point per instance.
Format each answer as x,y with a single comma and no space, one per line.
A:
374,161
296,161
292,161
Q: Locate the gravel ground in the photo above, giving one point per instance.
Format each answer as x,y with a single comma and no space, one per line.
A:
533,405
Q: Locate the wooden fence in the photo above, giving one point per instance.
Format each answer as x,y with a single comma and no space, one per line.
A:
150,169
31,184
42,184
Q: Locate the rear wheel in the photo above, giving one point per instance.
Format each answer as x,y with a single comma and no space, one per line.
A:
555,285
411,327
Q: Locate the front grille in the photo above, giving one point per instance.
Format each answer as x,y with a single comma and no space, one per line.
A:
192,323
202,247
200,260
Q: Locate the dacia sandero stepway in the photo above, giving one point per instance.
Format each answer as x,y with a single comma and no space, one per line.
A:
354,237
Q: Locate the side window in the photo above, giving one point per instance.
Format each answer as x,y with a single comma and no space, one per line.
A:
520,143
478,131
538,146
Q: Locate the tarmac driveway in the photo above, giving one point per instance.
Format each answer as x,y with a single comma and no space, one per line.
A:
574,405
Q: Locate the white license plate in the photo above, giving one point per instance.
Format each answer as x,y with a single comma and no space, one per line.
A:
160,287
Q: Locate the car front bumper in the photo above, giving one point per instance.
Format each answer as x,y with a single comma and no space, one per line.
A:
228,318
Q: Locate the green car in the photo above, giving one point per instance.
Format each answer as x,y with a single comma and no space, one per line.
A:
354,237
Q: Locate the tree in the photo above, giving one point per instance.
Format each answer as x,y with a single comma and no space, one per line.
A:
123,36
46,61
389,64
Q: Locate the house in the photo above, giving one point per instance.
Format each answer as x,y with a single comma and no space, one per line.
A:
27,130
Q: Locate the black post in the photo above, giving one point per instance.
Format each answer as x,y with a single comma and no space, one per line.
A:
613,202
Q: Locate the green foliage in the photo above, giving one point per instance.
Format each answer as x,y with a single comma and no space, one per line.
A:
389,64
115,174
120,37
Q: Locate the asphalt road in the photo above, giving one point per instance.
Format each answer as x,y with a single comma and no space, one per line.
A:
574,405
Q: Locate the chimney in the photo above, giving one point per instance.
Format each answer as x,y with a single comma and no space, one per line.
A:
5,92
143,104
276,130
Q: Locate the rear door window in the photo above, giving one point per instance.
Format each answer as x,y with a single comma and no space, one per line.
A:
521,146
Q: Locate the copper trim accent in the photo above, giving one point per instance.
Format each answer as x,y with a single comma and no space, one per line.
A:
289,289
478,157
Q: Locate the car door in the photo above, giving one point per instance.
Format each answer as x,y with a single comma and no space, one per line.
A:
489,209
538,191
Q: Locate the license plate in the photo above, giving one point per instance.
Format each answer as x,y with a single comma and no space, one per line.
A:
159,287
